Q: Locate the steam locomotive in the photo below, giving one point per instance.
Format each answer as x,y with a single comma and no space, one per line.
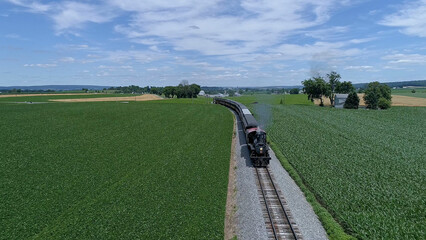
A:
255,137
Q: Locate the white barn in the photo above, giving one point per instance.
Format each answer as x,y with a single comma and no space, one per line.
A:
340,100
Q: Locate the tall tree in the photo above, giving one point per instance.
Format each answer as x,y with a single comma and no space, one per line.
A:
375,92
316,87
333,83
169,91
345,87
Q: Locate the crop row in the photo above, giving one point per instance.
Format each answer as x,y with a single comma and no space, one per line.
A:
113,171
367,167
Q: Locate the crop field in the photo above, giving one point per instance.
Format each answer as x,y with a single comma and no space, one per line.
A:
47,97
287,99
142,170
420,92
366,167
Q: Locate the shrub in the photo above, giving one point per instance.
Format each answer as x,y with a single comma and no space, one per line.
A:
294,91
384,103
374,92
352,102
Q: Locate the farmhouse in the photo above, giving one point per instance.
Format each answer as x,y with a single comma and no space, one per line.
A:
340,100
202,93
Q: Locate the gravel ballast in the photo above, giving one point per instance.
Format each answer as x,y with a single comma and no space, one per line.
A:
249,217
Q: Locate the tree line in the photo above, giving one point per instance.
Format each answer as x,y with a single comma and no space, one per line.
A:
183,90
376,95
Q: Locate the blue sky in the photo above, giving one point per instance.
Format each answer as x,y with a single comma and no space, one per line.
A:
212,43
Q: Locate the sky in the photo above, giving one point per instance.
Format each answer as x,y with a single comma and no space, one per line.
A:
235,43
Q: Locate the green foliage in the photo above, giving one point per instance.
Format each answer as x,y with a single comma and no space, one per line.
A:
366,167
48,97
294,91
384,103
352,102
316,87
374,92
286,99
187,91
333,81
231,92
142,170
333,229
135,89
418,92
169,91
345,87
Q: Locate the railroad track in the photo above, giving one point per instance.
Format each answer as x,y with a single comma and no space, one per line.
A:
278,220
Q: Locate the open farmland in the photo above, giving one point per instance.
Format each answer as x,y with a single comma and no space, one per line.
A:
419,92
142,170
366,167
48,97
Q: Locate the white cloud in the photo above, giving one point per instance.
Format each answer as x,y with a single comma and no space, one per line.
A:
319,51
365,68
209,28
75,15
405,58
32,6
69,15
67,59
15,36
411,18
41,65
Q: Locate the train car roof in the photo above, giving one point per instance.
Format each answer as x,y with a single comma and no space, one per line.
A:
249,120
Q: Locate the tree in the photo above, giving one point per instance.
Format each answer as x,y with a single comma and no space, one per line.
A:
231,92
195,90
345,87
294,91
333,83
169,91
352,102
413,91
315,87
384,103
374,92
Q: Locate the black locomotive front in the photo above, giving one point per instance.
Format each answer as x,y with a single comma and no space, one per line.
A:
255,137
259,149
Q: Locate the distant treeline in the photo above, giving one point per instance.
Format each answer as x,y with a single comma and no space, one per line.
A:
183,90
250,91
136,89
418,83
18,91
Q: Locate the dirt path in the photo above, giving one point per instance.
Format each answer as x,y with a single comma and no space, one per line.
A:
145,97
231,202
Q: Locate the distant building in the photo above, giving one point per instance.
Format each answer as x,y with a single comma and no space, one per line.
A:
202,93
340,100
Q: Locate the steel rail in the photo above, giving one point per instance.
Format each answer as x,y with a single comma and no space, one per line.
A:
282,205
266,203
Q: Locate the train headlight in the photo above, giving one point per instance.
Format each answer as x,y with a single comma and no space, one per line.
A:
261,149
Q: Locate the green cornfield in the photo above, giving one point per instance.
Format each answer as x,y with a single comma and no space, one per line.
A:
368,168
141,170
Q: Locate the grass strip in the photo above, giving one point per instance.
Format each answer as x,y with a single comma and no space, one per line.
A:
333,229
